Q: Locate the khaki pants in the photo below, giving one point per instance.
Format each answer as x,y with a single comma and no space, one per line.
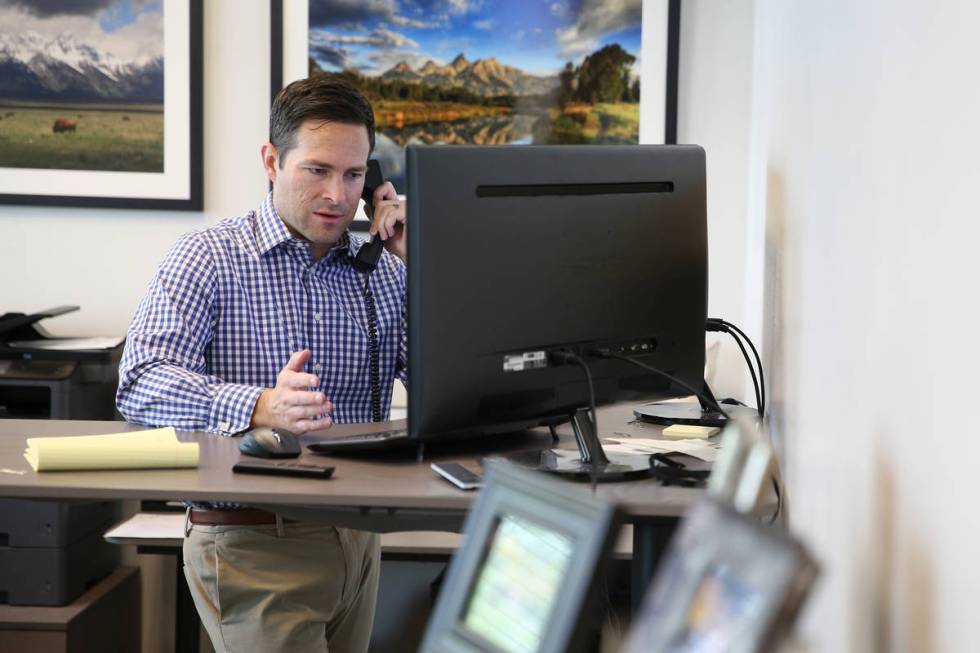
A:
310,587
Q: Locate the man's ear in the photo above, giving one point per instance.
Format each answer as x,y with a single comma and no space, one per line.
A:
270,161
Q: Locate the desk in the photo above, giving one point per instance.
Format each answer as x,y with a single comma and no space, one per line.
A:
393,493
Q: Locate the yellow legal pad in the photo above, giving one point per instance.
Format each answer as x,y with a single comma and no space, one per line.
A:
136,450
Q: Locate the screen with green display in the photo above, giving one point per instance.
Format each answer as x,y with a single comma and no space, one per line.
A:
517,585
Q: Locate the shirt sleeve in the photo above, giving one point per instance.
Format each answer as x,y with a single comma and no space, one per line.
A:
163,379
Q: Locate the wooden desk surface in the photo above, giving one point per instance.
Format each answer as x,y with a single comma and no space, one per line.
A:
392,481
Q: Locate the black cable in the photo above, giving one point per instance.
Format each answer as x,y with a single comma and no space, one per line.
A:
575,358
719,324
703,397
373,350
779,501
724,328
758,359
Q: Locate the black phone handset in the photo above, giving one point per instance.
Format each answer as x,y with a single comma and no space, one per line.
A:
370,253
365,262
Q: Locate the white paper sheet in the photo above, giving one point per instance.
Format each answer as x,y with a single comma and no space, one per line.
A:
707,451
70,344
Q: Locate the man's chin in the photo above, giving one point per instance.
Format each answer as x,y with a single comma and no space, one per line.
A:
329,235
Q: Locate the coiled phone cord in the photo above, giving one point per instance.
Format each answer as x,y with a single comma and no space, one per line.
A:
374,356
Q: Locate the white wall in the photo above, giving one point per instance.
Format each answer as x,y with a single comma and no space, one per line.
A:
715,72
864,177
102,259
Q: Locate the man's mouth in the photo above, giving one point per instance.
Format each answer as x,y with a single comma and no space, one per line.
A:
329,216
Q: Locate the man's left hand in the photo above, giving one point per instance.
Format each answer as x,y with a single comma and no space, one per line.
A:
389,219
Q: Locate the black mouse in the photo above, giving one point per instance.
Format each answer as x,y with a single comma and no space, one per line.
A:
266,442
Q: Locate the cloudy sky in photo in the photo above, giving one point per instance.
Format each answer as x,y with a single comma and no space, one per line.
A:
131,30
537,36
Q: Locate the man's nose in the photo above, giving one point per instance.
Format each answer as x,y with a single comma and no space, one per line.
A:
333,189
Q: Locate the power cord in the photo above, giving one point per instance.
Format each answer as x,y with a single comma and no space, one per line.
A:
605,353
723,326
575,359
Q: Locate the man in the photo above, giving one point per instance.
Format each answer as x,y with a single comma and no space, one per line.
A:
261,320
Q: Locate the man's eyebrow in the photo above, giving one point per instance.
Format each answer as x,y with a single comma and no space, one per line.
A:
330,166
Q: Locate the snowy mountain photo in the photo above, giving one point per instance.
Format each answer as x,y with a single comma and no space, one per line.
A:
82,84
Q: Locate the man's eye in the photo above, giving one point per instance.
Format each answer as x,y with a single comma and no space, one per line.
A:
356,175
316,171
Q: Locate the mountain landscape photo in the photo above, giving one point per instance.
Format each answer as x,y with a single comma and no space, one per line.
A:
82,85
474,72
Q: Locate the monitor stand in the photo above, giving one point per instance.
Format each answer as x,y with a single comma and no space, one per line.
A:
699,414
590,462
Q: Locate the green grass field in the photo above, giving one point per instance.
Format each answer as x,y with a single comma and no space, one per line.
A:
124,139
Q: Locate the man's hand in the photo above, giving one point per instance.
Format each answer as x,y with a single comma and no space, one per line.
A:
389,219
291,405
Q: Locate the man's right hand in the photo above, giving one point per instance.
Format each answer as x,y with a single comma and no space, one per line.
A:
291,405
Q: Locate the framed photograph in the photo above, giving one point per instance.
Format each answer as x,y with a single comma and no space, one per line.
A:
101,103
515,71
726,583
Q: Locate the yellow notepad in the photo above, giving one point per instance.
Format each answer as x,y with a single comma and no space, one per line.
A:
690,431
137,450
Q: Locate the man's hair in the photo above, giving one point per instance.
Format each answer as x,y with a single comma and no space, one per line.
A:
321,97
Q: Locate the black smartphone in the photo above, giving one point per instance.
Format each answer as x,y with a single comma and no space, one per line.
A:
370,253
458,475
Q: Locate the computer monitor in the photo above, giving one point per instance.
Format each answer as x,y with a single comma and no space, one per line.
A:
527,576
519,253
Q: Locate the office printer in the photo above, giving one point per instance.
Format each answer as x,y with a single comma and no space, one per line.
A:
43,376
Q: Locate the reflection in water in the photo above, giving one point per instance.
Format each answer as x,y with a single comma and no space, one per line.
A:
485,130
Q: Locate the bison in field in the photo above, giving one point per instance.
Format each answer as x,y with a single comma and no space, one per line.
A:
64,125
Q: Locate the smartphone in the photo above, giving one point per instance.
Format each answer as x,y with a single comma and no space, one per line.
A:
458,475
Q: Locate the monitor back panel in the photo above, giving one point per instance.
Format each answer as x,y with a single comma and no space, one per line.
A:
514,249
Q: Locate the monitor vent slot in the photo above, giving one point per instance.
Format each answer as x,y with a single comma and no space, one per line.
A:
545,190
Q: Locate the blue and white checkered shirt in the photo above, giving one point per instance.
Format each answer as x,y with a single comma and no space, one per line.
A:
227,308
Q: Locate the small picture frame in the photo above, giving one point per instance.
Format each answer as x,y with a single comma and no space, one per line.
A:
727,583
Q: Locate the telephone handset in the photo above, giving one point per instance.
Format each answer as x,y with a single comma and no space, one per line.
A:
366,260
370,253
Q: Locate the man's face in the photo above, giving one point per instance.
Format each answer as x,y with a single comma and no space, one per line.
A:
318,183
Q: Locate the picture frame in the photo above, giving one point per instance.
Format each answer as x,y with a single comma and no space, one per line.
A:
726,583
290,37
180,183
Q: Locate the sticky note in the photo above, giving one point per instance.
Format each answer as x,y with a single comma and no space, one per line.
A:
690,431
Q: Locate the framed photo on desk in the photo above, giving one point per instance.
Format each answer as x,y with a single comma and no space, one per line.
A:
509,72
108,114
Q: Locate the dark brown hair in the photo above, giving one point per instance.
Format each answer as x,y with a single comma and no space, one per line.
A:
321,97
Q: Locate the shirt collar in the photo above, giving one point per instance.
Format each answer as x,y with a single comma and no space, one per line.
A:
272,231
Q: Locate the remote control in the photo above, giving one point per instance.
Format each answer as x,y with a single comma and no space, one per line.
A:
458,475
282,469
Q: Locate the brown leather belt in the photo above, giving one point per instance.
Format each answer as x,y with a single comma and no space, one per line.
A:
243,517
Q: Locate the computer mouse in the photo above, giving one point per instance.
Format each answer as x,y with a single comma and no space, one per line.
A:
266,442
